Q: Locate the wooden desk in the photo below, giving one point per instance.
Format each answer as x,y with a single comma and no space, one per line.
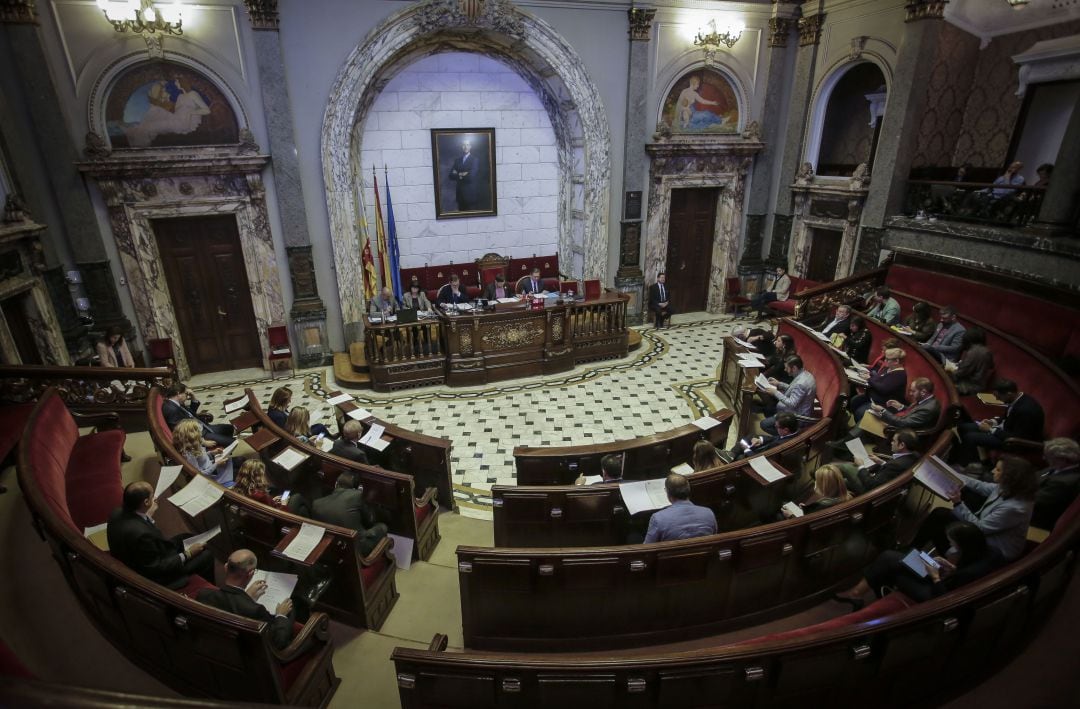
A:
512,341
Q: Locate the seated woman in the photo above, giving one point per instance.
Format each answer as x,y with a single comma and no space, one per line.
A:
858,341
415,296
879,361
829,489
976,366
968,558
112,349
1003,517
299,425
921,322
278,410
704,456
252,482
887,382
187,437
784,347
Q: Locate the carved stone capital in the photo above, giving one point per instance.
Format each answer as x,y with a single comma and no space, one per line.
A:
263,14
640,23
96,148
753,131
805,175
925,10
18,12
499,16
860,179
858,44
779,30
15,210
247,145
810,29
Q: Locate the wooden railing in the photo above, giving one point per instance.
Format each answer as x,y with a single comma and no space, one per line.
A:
405,355
973,201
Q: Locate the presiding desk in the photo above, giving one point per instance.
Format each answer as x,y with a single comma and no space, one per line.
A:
477,347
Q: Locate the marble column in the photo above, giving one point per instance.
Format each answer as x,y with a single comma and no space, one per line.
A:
78,225
307,306
629,278
781,25
904,111
1059,213
791,157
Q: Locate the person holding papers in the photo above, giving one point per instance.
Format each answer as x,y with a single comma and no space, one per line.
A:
787,425
682,519
888,381
968,558
189,443
923,411
1024,418
866,474
920,322
796,397
134,539
345,507
348,446
240,595
1003,518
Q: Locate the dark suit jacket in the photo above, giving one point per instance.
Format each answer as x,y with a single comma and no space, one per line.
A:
489,290
922,415
345,508
766,444
446,295
235,600
654,296
141,546
841,326
278,416
880,474
175,413
1024,419
527,285
1056,492
346,449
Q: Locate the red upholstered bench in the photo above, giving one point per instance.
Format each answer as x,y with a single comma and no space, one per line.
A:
787,307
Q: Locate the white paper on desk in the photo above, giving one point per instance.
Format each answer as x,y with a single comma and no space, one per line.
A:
279,587
232,407
360,414
202,538
227,450
339,399
644,495
763,467
197,496
166,477
858,450
507,300
706,422
464,307
373,437
683,469
305,542
762,382
290,458
751,363
402,551
592,479
750,356
744,343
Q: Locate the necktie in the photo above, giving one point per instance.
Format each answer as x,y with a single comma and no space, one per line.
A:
662,298
940,336
534,285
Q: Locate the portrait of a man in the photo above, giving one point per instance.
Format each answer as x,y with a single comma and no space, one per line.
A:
464,171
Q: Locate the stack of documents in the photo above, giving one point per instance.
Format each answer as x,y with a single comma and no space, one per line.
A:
197,496
232,407
763,467
360,414
373,437
936,474
644,495
97,535
305,542
762,382
683,469
750,361
858,450
706,422
855,375
290,458
339,399
743,343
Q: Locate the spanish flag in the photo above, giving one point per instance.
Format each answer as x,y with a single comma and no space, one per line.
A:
380,236
367,261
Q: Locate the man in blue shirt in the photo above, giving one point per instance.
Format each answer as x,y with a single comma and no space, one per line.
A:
682,519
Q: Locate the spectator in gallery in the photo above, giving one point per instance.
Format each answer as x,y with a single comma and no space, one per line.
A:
112,349
885,308
777,287
682,519
385,303
415,298
498,288
1011,176
963,173
920,322
1043,172
452,293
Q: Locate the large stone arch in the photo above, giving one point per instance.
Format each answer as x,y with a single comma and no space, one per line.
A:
540,56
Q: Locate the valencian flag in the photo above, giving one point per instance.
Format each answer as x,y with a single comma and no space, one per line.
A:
391,229
380,236
367,261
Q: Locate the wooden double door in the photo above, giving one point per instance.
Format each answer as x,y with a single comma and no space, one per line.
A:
204,269
691,226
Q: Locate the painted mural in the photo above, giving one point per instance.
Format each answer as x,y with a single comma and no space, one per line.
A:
702,101
163,105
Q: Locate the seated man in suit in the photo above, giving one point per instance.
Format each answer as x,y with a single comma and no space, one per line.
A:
345,507
787,425
682,519
180,404
796,397
660,300
947,338
923,412
1023,418
532,284
904,445
610,470
452,292
385,303
134,539
240,596
498,288
839,323
1059,483
348,446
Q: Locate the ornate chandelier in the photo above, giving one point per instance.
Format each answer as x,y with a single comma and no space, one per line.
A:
727,35
143,16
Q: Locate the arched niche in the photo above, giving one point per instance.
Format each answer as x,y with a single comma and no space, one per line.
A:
844,120
539,55
703,101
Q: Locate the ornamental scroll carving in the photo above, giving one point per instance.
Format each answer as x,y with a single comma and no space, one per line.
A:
508,335
640,23
465,340
810,29
925,10
499,16
779,29
557,330
18,12
263,14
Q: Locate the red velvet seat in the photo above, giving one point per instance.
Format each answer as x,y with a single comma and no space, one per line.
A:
787,307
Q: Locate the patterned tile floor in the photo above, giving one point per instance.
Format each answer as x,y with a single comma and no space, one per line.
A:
666,383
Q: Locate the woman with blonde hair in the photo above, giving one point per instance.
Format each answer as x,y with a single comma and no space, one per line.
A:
704,456
299,424
187,437
829,489
251,481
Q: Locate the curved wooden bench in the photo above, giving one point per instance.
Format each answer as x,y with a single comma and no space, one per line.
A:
355,590
897,654
409,516
193,648
644,457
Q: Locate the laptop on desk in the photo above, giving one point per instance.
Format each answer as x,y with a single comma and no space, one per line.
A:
406,315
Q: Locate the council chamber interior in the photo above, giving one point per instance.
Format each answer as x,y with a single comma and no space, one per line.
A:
518,353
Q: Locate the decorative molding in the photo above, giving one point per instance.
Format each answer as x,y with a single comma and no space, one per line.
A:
263,14
860,179
810,29
95,147
640,23
780,30
18,12
247,145
858,44
1049,60
805,175
925,10
154,47
15,211
752,132
495,15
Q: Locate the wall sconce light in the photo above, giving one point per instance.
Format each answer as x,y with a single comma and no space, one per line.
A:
143,16
1017,4
726,34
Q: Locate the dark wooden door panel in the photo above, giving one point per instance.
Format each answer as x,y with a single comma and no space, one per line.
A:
824,253
692,221
21,332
